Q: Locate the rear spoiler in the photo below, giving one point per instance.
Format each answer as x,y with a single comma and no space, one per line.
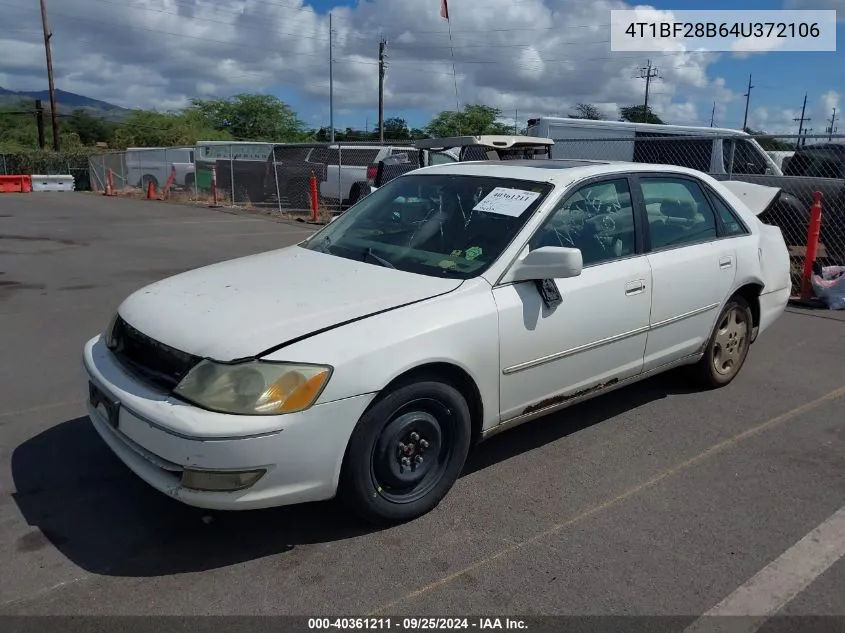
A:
758,198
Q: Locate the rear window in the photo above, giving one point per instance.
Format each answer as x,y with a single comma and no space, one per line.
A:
290,153
354,157
682,151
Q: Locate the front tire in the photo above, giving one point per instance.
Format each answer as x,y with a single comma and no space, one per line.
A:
727,349
406,452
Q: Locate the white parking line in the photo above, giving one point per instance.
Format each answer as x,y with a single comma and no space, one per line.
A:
779,582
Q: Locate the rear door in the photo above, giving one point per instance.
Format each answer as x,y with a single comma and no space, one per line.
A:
693,268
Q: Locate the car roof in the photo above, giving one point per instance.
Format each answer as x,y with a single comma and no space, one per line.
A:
485,140
645,127
560,172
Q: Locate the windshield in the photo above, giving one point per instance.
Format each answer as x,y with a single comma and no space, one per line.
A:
442,225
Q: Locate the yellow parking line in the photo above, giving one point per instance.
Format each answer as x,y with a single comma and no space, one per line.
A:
713,450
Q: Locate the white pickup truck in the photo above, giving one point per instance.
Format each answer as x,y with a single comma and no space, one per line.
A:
346,165
154,164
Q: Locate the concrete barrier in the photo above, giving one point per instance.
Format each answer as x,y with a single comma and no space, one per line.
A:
63,182
15,184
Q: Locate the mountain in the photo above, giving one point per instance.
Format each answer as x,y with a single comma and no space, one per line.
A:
66,102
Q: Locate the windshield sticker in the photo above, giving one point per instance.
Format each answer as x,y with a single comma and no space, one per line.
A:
510,202
455,253
448,263
473,252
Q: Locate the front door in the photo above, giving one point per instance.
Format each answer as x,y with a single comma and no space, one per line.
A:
597,333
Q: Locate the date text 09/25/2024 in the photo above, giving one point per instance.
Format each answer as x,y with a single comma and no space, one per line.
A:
415,624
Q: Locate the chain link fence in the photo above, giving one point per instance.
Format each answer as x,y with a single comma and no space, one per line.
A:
48,163
274,176
277,176
799,166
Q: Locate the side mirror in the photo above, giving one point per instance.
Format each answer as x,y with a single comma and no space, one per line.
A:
547,262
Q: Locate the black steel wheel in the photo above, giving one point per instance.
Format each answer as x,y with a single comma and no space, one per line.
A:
406,452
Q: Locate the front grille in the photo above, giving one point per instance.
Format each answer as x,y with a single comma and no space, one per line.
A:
155,363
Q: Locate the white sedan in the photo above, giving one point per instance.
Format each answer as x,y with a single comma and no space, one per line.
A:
453,303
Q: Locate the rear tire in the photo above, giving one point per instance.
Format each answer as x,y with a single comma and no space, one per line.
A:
146,179
728,346
406,452
359,191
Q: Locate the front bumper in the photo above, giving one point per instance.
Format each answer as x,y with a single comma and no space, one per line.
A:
158,437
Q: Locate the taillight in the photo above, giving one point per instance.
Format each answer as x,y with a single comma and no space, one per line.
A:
372,172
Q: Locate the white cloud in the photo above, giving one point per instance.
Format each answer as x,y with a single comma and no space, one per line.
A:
535,56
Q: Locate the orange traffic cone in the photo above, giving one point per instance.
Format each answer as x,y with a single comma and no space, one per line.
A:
151,190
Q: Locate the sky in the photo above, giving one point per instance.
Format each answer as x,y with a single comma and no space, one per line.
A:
527,57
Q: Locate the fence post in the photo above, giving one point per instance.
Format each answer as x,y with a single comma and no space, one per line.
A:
214,185
232,173
812,245
314,198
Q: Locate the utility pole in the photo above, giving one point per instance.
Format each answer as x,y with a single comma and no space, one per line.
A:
648,72
831,130
381,72
804,139
801,123
331,81
47,37
39,122
516,122
747,96
713,114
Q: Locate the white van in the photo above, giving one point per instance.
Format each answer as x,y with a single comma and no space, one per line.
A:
707,149
154,164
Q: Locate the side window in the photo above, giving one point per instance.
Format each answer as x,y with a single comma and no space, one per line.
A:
439,158
678,212
598,219
732,225
747,158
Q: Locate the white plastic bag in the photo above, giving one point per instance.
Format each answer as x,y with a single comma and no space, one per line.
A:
830,286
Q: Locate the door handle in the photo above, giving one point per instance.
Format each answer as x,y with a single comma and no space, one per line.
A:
726,262
634,287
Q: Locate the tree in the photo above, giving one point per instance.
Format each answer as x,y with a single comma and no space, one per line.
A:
88,129
250,117
145,128
472,121
639,114
587,111
396,128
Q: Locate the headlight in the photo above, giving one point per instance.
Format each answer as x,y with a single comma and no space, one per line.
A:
254,388
108,334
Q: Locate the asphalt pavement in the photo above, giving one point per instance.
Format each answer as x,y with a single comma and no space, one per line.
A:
656,500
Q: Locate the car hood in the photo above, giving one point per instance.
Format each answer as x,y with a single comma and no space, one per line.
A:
244,307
